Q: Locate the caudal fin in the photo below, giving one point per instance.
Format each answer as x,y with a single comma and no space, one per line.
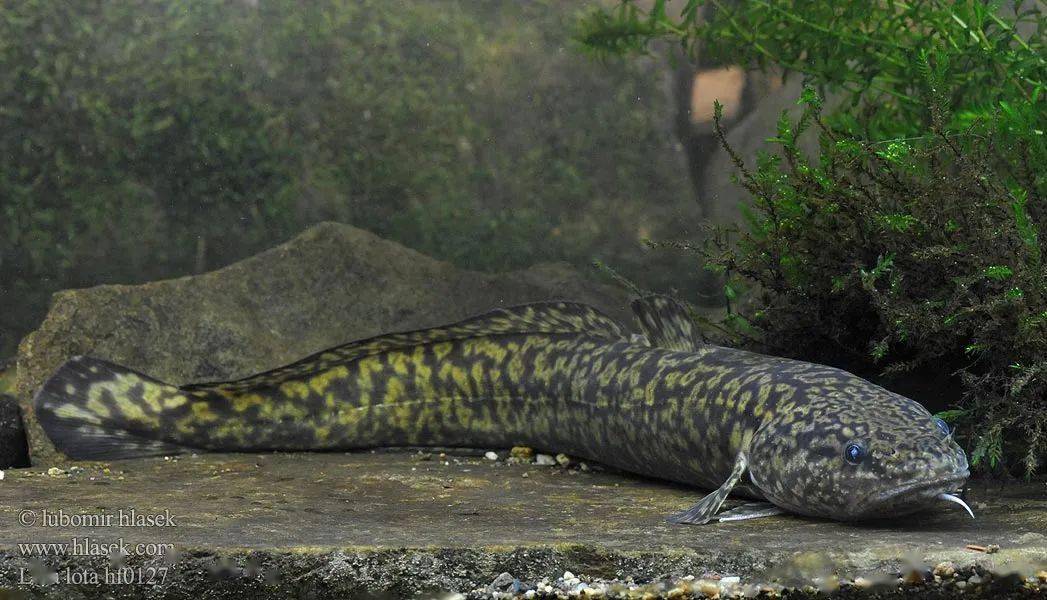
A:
96,410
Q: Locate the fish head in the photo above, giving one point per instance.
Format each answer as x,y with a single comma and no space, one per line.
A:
855,452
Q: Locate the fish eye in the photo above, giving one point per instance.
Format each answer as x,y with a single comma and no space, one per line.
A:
943,426
854,453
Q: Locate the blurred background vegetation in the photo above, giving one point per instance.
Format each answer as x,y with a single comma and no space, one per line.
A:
158,138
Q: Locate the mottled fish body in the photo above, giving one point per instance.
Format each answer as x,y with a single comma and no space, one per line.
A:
556,376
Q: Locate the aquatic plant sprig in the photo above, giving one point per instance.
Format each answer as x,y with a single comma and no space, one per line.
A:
868,52
934,263
928,179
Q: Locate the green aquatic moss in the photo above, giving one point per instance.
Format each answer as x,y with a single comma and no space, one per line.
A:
911,242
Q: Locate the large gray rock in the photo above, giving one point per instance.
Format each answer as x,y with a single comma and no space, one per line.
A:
332,284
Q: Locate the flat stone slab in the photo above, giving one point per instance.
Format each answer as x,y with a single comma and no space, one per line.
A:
327,525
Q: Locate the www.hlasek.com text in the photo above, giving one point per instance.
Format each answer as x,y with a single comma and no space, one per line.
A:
85,546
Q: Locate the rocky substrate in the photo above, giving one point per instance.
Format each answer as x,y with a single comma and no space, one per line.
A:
943,581
492,524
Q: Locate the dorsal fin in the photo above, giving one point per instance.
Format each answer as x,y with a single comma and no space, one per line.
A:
536,318
667,323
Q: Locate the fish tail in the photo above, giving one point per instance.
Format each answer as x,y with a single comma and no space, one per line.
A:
96,410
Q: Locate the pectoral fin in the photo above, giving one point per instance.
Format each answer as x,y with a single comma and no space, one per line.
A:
749,510
706,509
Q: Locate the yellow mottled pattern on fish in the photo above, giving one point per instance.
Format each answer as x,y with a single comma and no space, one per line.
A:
557,376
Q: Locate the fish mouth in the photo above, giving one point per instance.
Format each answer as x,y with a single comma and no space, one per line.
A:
920,491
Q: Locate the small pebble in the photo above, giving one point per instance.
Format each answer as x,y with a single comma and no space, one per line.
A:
563,460
503,582
730,580
974,580
915,577
490,455
523,453
945,569
709,588
544,460
861,582
55,472
1,475
992,548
